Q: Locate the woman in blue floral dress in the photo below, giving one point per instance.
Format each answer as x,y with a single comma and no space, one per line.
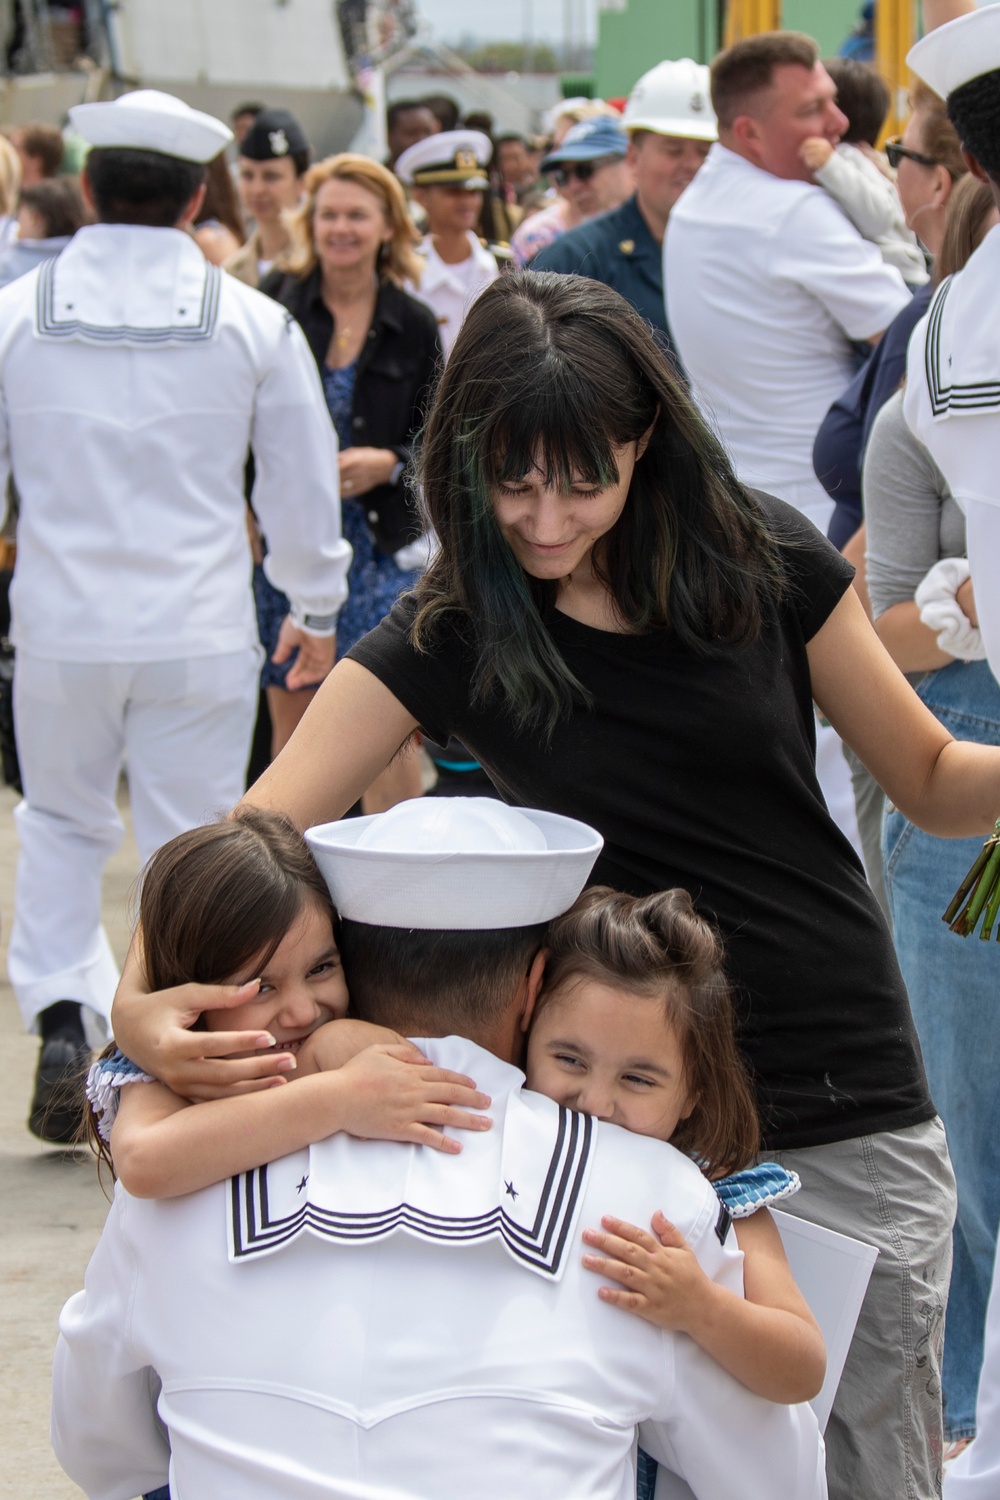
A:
377,351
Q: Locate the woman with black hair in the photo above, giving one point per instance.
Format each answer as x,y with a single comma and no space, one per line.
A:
620,632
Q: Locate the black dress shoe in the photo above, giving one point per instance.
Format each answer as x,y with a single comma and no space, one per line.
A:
60,1090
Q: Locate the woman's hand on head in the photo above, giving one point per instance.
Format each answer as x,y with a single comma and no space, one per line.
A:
153,1029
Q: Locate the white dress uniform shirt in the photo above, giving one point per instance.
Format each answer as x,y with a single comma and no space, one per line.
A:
952,404
131,545
449,290
767,282
367,1319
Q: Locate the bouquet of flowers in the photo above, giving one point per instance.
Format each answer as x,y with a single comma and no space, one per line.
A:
979,894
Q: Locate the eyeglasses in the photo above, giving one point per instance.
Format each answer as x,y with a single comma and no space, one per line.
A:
895,151
583,171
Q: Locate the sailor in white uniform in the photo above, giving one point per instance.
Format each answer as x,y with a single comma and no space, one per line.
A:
366,1319
134,377
952,397
446,174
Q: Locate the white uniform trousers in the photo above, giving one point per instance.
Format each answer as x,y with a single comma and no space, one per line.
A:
183,730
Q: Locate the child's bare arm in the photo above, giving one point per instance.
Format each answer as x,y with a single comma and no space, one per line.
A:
768,1340
163,1146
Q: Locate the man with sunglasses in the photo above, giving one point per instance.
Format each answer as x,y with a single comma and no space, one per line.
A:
671,125
590,171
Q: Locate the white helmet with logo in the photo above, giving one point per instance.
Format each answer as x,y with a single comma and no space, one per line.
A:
673,99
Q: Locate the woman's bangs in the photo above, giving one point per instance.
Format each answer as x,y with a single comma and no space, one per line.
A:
565,445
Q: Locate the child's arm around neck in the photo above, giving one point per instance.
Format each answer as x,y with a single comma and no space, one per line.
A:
379,1086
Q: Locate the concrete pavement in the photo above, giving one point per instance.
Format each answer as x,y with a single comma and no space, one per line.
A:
53,1209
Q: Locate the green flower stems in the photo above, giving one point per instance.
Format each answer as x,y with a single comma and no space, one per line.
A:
980,893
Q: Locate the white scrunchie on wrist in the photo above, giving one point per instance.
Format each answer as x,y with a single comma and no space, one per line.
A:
941,612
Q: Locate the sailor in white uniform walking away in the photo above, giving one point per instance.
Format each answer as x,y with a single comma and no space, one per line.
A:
134,377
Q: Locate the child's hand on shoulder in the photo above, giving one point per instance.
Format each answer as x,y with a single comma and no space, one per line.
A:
815,152
335,1042
392,1093
658,1275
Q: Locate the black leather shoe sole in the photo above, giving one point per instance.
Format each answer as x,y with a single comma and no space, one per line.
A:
60,1091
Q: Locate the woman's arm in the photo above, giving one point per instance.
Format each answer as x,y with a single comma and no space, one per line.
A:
163,1146
349,733
947,787
911,644
768,1339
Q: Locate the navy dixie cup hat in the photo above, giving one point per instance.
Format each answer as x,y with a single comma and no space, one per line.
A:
588,141
274,134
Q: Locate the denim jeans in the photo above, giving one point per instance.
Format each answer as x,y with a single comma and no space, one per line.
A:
954,986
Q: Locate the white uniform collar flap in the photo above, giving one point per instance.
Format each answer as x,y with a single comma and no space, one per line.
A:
521,1183
126,284
962,350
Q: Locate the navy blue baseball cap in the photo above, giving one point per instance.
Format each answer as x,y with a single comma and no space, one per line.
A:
587,141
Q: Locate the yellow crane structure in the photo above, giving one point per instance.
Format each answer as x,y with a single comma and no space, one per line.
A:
895,33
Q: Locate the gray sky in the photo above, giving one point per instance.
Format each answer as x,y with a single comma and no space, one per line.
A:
506,22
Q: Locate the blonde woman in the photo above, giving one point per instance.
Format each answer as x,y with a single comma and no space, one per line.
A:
377,349
10,187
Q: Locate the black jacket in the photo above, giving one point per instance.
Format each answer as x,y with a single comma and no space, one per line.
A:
396,370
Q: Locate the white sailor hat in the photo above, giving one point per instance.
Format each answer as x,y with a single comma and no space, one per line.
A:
147,120
454,158
959,51
454,864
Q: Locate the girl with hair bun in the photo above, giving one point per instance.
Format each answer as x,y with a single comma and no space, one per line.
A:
634,1024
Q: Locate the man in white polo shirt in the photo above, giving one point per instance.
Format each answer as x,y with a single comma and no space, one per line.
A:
768,282
367,1319
768,285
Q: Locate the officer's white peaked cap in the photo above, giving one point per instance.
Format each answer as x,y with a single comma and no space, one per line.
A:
673,99
959,51
453,158
148,120
454,864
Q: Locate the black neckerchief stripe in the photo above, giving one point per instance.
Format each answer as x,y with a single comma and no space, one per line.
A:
543,1246
964,396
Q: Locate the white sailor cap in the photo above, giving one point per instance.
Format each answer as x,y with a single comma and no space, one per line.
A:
454,864
454,158
959,51
147,120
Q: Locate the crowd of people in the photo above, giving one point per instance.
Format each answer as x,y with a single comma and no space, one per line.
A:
643,475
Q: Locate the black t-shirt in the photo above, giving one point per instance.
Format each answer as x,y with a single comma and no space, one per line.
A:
699,771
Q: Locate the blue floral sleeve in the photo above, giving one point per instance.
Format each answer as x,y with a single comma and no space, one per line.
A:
757,1187
106,1077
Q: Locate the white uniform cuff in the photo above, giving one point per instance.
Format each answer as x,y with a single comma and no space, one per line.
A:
313,624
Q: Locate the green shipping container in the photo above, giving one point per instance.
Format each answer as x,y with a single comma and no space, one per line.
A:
633,35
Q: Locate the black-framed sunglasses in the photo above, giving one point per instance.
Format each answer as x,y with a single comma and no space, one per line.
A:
895,151
583,171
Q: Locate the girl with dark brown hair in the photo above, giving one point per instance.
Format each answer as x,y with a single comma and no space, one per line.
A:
635,1025
242,904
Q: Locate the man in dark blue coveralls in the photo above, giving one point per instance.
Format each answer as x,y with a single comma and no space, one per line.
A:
671,126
